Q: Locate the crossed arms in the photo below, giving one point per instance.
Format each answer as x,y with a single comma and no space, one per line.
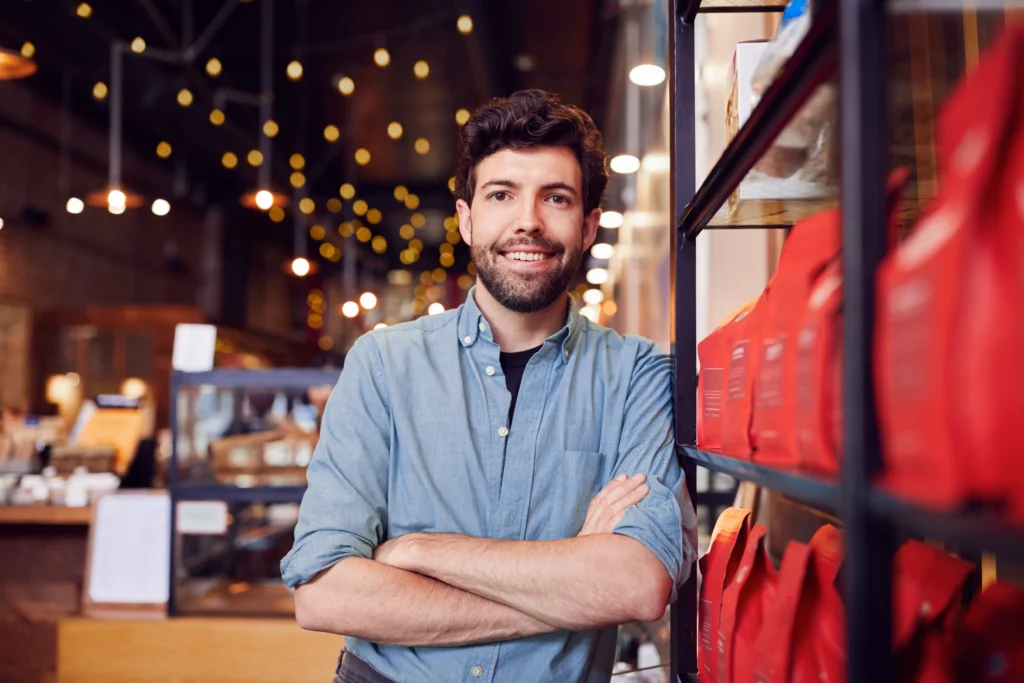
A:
440,589
444,589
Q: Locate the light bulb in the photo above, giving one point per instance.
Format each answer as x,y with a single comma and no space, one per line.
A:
214,67
421,69
294,70
300,267
368,300
265,200
116,198
612,220
625,163
465,24
435,308
350,309
593,296
161,207
75,205
382,57
647,74
597,276
602,251
346,85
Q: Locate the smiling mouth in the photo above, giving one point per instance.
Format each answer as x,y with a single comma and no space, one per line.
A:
527,256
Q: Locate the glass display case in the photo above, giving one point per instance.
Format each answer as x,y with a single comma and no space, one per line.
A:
240,444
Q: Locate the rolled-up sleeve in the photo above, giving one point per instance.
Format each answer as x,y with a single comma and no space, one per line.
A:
665,520
343,511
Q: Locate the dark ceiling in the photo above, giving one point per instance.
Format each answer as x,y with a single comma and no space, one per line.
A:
561,45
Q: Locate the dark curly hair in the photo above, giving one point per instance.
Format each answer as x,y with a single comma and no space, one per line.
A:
532,118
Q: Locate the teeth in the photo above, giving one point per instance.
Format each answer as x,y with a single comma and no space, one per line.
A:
525,256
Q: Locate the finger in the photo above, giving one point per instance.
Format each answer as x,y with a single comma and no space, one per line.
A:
635,496
611,486
627,487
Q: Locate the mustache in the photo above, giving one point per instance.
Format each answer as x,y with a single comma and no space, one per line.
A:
537,243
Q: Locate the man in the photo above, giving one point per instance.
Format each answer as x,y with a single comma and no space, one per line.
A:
495,487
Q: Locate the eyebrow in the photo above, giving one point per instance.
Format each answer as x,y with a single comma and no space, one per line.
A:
501,182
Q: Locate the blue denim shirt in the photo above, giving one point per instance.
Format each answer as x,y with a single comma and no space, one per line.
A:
415,437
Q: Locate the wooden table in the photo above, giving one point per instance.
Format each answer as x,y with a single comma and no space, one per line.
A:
217,650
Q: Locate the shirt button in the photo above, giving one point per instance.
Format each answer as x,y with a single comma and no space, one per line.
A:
468,340
478,671
502,431
489,370
483,327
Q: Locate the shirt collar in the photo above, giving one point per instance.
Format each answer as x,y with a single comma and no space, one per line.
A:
472,325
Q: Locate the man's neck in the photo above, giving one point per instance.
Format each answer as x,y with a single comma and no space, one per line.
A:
520,331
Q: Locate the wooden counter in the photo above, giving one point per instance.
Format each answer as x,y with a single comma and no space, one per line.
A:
44,514
196,650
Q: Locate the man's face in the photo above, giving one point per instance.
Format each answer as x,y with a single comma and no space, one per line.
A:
526,228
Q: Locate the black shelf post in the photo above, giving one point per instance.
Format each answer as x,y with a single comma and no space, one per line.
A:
869,541
684,330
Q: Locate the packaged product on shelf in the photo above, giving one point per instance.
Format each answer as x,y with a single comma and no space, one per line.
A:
744,356
988,643
811,245
803,639
928,586
745,603
717,569
948,332
714,352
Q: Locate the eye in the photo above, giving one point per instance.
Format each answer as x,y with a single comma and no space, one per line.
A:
499,196
559,199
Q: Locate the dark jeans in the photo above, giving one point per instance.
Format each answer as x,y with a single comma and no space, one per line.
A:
351,669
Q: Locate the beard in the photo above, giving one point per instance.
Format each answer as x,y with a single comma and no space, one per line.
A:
526,292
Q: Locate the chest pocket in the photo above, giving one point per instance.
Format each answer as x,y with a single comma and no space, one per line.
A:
564,484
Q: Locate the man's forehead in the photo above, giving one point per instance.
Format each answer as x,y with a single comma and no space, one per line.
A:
535,166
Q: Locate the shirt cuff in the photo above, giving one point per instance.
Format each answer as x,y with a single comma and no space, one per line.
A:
319,552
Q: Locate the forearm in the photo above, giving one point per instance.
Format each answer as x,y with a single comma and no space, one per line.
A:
391,606
577,584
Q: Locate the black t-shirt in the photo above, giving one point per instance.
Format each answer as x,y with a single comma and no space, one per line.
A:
513,364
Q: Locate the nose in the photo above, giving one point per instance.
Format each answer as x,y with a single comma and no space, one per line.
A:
528,222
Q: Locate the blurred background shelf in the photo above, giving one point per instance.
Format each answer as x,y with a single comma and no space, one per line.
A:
48,514
812,491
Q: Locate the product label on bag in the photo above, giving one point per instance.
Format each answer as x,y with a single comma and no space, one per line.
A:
805,368
908,310
706,642
769,386
737,389
712,386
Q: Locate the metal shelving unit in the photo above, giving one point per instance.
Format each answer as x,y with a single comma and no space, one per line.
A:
845,41
237,379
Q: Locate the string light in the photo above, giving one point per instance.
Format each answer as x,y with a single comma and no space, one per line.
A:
331,133
364,234
229,160
597,276
347,191
99,91
276,214
326,250
297,162
465,24
609,308
345,229
465,282
350,309
624,163
394,130
453,237
270,128
75,205
216,117
379,326
418,220
307,205
462,116
435,308
334,205
381,57
612,220
360,207
362,156
407,232
446,248
416,245
647,74
326,343
297,179
451,184
412,202
84,10
300,267
254,157
317,232
346,86
185,97
422,145
602,251
447,260
379,244
368,300
294,70
440,275
214,67
138,45
401,192
264,199
28,50
161,207
163,150
373,216
421,69
593,296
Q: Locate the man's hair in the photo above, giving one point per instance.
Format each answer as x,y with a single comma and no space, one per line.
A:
532,118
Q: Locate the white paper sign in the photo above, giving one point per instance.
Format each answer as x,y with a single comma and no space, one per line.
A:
131,549
193,347
207,517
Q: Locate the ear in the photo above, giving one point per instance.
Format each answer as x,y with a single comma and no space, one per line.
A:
591,222
465,221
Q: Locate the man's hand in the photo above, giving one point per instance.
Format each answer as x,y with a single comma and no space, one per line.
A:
607,508
396,552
